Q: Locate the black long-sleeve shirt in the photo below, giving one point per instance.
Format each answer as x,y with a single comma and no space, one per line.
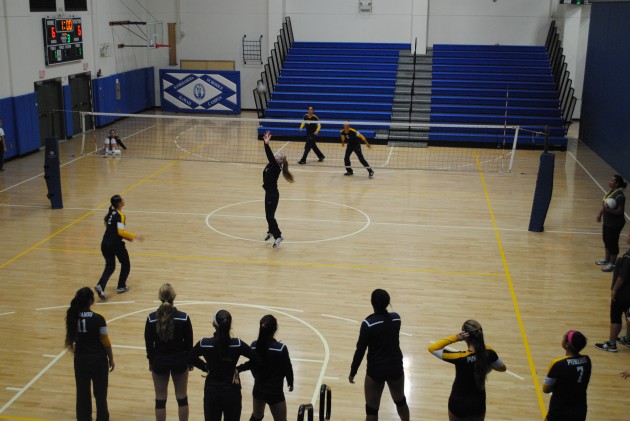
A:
220,369
379,335
275,366
174,350
272,171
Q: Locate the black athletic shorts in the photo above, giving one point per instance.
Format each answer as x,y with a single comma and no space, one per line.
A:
270,398
385,377
165,369
617,308
467,406
611,239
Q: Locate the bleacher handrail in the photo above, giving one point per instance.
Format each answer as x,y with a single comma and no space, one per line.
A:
413,79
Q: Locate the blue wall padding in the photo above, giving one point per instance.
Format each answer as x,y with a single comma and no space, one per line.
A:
26,123
604,124
543,193
67,106
137,94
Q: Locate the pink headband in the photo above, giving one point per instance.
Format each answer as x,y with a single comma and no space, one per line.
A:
570,336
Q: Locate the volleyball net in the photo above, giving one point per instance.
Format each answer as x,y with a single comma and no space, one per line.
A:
237,140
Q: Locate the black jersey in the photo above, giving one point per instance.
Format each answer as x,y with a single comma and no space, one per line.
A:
379,334
312,124
173,350
274,367
352,136
271,173
92,337
464,361
220,368
611,219
622,269
569,377
115,227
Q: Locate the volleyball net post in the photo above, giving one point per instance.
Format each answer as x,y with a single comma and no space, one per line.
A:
235,140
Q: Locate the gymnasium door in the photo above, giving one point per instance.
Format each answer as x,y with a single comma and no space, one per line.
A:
49,106
81,100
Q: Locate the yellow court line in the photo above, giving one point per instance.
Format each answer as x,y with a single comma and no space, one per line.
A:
284,263
79,219
508,276
7,417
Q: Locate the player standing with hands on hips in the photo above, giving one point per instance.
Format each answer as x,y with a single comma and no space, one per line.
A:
86,336
277,164
311,121
350,135
113,247
613,222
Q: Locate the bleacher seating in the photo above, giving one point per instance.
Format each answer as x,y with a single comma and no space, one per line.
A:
343,81
494,85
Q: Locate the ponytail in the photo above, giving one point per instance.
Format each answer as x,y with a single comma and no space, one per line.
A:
475,338
285,170
114,202
268,328
223,324
165,318
82,301
619,181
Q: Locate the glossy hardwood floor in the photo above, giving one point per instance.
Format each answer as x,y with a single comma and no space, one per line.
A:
447,245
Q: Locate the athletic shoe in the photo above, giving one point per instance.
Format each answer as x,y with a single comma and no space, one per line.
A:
607,346
267,236
348,173
302,162
122,290
624,341
371,173
99,291
601,262
277,242
322,159
608,268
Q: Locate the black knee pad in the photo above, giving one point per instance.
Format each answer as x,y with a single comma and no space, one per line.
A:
183,401
370,411
159,404
401,402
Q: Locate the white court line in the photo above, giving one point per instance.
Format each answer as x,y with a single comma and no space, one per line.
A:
306,360
515,375
49,356
130,347
62,165
331,377
590,175
96,304
283,146
204,302
406,334
33,380
340,318
7,313
14,389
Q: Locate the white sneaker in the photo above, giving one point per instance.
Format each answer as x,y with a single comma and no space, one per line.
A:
99,291
277,242
601,262
608,268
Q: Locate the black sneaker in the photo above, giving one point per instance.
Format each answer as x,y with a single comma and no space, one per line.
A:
607,346
370,173
322,159
99,291
348,173
122,290
267,236
302,162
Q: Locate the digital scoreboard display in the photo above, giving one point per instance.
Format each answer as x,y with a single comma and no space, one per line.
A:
63,40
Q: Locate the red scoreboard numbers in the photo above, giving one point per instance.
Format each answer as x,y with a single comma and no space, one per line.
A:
63,40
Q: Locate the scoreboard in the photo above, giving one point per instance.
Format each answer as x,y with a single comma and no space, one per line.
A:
63,40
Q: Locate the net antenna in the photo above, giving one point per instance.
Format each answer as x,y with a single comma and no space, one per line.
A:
152,36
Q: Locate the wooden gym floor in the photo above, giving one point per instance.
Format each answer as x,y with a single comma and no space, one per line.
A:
448,246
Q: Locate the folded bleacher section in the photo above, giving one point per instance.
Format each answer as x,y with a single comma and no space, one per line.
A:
343,81
494,85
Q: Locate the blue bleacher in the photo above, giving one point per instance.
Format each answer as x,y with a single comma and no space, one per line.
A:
472,84
343,81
